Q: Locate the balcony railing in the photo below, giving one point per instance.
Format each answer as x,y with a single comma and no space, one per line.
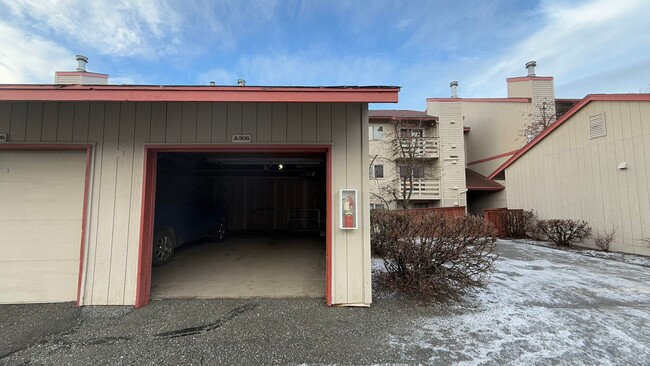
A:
424,189
419,147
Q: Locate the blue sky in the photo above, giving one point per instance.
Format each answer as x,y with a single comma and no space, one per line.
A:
589,46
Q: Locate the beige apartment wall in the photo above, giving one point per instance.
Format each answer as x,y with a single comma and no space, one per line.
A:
452,152
494,131
568,175
120,131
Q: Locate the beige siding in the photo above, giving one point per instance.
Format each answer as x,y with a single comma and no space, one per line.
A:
120,131
568,175
40,242
452,152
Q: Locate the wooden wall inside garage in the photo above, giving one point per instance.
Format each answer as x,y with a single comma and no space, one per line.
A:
120,131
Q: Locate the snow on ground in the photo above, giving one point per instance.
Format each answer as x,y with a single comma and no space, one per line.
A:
542,306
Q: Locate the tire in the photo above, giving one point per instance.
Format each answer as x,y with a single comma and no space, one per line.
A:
219,233
164,244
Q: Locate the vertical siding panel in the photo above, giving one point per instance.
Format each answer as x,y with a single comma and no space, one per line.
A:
174,122
249,120
158,122
644,185
34,121
294,122
106,208
339,178
18,126
80,121
355,169
95,134
279,122
50,121
122,204
324,122
188,122
5,117
233,124
309,122
264,122
219,121
66,122
365,205
204,122
141,136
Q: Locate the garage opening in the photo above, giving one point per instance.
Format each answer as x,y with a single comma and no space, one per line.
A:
239,224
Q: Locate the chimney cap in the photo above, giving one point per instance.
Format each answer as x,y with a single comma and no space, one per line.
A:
81,62
241,82
530,65
454,83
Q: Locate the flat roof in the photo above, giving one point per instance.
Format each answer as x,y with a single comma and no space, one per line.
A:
199,93
400,114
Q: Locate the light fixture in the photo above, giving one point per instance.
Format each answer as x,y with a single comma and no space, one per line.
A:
280,166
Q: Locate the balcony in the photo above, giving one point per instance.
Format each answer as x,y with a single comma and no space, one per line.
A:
419,147
423,189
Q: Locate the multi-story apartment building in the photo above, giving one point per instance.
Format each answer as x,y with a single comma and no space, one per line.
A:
415,161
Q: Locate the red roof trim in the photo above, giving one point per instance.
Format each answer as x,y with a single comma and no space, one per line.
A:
566,117
482,188
483,100
529,78
81,73
141,93
494,157
371,118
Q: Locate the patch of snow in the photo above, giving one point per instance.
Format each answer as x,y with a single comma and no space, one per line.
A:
542,306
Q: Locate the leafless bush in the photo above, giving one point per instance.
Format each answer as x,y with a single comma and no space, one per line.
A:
516,223
564,232
431,256
604,239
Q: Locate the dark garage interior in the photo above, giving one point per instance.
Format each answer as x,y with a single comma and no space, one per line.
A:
240,225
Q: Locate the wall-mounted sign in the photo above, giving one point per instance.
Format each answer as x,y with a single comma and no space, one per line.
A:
348,209
241,138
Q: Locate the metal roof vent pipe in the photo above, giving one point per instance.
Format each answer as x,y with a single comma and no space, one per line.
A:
241,82
530,65
81,63
454,89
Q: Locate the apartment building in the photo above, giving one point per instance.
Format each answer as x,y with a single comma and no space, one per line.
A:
415,160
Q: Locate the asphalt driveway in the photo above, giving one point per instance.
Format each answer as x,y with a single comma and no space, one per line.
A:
543,306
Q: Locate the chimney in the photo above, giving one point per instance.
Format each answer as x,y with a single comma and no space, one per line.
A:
81,62
454,89
530,65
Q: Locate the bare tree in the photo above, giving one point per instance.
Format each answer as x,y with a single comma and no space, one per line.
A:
408,149
542,116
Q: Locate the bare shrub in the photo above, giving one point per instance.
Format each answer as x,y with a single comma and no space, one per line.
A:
603,240
563,232
430,256
516,223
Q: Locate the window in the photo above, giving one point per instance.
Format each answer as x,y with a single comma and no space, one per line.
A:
416,172
377,206
377,171
376,132
420,205
410,132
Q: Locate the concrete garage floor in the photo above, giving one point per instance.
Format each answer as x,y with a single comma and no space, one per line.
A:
245,266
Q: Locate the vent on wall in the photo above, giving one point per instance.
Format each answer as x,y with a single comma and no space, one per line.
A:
597,126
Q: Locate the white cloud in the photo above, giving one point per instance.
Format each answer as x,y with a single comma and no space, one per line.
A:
577,41
145,28
30,59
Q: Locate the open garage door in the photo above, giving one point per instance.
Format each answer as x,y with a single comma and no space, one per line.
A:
272,207
239,225
41,195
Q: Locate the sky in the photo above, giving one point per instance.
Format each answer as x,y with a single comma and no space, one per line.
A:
588,46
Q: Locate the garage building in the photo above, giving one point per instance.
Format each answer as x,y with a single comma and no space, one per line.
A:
80,167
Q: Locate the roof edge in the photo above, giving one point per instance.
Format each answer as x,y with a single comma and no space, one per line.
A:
483,100
586,100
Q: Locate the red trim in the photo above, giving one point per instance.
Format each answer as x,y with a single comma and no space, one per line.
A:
198,93
483,188
466,129
529,78
492,157
67,147
566,117
81,73
481,100
143,282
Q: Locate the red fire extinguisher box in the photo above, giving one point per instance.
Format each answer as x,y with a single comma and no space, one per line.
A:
348,209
